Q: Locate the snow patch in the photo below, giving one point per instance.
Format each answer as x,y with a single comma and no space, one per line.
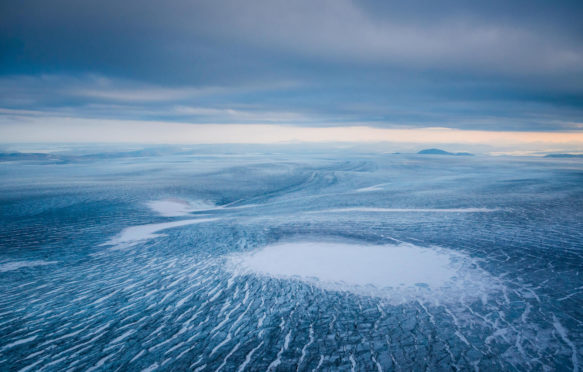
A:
15,265
404,271
175,207
133,235
378,187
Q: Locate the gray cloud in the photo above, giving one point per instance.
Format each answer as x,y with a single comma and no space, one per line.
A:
500,64
535,37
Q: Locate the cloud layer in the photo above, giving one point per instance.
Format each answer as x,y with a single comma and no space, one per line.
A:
501,65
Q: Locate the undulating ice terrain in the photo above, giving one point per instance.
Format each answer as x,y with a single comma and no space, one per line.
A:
189,260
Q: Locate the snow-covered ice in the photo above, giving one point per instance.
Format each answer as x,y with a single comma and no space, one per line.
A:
384,270
407,210
15,265
174,207
130,236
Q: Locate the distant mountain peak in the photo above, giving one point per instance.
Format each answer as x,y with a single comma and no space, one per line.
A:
442,152
564,156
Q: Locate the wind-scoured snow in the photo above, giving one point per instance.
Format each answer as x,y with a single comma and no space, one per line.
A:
408,210
15,265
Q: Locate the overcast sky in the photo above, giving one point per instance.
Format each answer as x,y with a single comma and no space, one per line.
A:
513,66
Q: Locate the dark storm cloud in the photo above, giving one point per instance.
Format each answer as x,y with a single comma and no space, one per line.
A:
498,65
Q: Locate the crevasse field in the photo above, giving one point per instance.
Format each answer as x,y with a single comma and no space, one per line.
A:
290,261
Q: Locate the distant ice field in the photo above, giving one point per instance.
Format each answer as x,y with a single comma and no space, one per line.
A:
287,260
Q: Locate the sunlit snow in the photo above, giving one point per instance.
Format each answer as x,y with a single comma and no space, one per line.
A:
133,235
175,207
386,270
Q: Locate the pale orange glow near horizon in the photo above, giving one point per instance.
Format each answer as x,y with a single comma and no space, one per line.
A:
70,130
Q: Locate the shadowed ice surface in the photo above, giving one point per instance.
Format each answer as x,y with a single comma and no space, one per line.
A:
291,262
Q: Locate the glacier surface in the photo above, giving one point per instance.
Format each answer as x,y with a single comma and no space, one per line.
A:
258,259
